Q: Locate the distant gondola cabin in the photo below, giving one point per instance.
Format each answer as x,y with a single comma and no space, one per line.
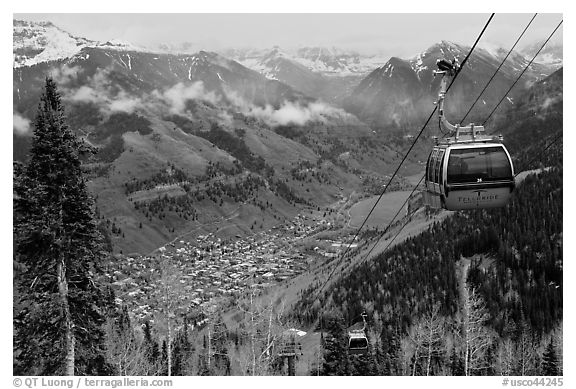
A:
357,343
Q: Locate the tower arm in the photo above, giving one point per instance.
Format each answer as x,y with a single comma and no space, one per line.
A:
444,123
447,70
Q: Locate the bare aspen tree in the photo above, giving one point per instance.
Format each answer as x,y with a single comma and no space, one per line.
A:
126,351
406,353
526,358
171,292
416,339
217,345
506,357
262,333
476,336
427,337
558,339
434,330
209,356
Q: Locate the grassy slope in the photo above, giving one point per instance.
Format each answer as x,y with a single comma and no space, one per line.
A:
143,157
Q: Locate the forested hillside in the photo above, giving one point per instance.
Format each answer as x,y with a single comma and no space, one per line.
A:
513,258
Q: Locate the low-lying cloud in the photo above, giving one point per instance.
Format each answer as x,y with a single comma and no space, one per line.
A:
99,91
86,94
65,74
109,98
21,125
295,113
125,103
550,100
177,96
288,113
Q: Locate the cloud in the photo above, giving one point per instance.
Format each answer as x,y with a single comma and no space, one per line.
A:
550,100
529,83
96,90
21,125
99,91
65,74
177,96
396,118
226,118
124,103
86,94
288,113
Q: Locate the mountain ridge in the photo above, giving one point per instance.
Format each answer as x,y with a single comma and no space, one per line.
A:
379,98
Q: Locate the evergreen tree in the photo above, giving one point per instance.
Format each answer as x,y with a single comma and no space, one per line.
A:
550,360
126,352
164,359
363,365
391,346
181,354
152,350
219,347
334,356
456,363
335,345
203,360
59,327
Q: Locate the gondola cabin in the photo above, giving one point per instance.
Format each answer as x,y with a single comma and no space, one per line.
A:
467,170
469,175
357,343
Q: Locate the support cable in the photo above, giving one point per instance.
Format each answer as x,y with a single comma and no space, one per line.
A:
526,68
469,110
498,69
403,160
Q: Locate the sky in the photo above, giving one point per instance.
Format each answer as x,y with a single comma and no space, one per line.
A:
398,34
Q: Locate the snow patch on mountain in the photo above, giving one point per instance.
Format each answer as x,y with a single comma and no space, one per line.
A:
34,43
417,64
324,61
492,49
38,42
548,59
120,45
551,54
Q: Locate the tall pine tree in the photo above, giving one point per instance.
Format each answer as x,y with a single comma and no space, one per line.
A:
550,360
58,328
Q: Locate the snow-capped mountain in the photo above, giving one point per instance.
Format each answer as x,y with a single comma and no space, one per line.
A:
275,64
102,74
333,61
200,113
329,74
551,54
117,44
35,42
401,92
320,60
